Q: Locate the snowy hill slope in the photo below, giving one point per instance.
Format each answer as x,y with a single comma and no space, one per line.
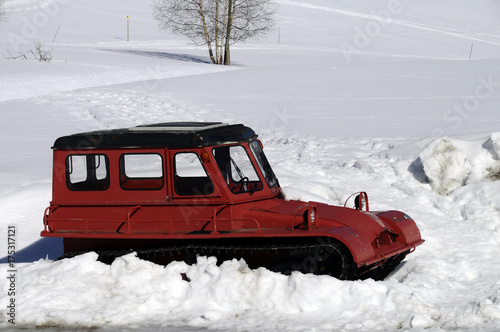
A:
349,100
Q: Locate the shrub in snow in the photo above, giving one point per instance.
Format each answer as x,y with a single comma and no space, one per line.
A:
452,163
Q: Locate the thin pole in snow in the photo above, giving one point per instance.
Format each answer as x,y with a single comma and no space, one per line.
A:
128,28
279,35
56,33
471,46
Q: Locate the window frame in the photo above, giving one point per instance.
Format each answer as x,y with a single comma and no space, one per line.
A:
177,178
256,185
263,164
92,184
133,183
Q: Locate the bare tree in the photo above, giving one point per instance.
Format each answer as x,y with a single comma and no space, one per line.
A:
218,24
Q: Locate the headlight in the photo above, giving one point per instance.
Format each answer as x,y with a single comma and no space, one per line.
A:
312,218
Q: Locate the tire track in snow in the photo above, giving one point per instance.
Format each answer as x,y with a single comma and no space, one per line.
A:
445,31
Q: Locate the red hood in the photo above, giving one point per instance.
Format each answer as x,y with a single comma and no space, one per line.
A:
327,215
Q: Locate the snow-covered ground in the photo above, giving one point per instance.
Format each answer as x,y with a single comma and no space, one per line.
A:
381,96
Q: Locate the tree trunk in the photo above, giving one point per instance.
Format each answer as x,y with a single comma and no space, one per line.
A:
227,52
217,41
223,32
207,38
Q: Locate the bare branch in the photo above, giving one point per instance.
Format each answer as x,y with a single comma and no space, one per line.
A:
12,57
39,54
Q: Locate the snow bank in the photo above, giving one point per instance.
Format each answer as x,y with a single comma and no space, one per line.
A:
82,292
451,163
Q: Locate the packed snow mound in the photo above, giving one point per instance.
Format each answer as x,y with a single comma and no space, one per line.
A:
83,292
451,163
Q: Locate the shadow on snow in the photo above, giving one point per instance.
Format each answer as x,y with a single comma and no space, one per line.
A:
46,247
165,55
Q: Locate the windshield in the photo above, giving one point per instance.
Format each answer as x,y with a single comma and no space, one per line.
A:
264,165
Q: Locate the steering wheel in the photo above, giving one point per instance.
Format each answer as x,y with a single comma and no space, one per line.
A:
243,182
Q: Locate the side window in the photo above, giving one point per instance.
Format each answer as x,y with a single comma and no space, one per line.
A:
190,177
86,172
237,169
141,171
241,166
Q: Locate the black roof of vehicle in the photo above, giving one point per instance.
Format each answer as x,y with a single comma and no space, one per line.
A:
168,134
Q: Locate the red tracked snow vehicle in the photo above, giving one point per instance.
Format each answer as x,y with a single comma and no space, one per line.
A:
176,190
